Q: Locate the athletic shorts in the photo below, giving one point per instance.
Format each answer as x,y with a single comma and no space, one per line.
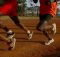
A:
8,9
45,17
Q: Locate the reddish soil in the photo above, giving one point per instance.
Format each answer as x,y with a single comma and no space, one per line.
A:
33,47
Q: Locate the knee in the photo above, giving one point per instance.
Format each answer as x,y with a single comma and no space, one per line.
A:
41,28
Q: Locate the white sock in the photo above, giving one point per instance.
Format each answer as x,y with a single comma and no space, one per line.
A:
28,31
10,31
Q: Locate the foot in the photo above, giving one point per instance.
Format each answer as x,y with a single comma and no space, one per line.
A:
30,35
49,42
10,34
12,44
54,28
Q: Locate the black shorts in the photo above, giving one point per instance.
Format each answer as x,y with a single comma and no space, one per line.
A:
45,17
43,20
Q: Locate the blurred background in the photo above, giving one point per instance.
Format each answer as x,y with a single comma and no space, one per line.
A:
29,8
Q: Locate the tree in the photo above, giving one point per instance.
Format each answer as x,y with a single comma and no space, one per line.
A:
21,9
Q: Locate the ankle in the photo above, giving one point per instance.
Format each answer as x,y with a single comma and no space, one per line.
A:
28,31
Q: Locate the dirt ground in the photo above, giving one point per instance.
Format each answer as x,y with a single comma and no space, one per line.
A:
30,48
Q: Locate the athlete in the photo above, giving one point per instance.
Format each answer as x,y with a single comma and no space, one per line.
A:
10,42
48,10
9,32
10,8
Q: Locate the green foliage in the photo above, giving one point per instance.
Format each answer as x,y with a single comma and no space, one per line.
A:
21,9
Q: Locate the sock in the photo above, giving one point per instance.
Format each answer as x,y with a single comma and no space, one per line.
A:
9,31
28,31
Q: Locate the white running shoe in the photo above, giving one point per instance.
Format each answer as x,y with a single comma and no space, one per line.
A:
10,34
54,28
12,44
49,42
30,35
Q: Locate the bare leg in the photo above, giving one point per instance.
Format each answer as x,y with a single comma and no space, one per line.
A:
5,38
20,25
10,33
44,27
3,26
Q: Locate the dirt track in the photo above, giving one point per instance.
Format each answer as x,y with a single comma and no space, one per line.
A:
33,47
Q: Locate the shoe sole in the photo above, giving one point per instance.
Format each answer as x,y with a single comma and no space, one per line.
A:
49,43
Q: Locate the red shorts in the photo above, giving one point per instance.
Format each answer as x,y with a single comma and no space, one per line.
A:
8,9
